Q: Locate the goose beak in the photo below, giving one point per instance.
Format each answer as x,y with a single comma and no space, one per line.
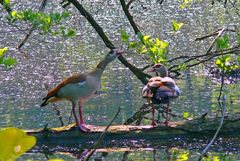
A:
119,52
151,69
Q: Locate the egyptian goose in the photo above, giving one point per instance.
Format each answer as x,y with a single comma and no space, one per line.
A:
160,89
79,88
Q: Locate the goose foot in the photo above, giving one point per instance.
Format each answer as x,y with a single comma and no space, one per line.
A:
83,128
153,123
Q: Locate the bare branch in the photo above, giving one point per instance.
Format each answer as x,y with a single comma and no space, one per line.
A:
129,3
222,106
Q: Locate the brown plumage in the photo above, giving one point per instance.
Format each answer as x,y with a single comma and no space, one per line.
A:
160,89
79,88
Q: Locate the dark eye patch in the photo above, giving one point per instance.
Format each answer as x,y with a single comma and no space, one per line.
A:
158,65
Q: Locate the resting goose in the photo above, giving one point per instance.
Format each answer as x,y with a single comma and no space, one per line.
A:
79,88
160,89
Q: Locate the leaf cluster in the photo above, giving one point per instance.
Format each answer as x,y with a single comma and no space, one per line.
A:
8,62
226,63
43,21
155,49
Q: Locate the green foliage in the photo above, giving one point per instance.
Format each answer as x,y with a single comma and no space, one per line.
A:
182,66
6,1
177,26
222,42
186,115
185,3
43,21
179,154
224,64
124,36
8,62
155,49
14,142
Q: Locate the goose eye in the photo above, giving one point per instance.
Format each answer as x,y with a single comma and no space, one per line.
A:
158,65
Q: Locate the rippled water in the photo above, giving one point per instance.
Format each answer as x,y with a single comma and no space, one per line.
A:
48,60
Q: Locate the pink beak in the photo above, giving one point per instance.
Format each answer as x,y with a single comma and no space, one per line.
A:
152,69
119,52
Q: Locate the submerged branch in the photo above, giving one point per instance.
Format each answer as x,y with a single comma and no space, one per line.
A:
222,106
102,136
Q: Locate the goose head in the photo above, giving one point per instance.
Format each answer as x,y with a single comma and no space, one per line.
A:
160,70
113,54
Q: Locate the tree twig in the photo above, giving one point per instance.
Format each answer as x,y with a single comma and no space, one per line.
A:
41,8
212,34
140,75
220,33
129,3
99,141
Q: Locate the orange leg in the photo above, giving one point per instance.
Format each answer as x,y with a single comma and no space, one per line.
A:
167,115
81,124
81,114
153,116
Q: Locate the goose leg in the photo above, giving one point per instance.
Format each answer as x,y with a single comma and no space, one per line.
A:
81,125
167,115
153,116
153,111
81,114
74,113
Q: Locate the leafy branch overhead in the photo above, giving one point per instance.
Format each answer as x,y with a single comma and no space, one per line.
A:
154,49
46,22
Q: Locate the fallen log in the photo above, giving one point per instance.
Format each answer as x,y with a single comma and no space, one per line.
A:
197,128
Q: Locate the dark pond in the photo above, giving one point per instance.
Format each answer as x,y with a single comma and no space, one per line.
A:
49,59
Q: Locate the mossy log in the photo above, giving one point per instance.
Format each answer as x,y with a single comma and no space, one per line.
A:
197,128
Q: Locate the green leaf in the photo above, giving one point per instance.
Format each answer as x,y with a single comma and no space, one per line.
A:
161,44
238,59
70,33
13,13
9,62
222,42
182,66
143,50
186,115
146,38
65,14
132,44
2,51
14,142
124,36
177,26
6,1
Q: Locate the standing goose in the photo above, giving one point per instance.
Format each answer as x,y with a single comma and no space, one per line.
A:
160,89
79,88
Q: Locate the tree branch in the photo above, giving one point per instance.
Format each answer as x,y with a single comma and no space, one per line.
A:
140,75
101,136
41,8
129,3
208,56
6,7
222,106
